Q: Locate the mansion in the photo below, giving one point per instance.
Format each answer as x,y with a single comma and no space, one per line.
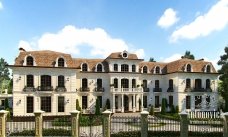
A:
53,81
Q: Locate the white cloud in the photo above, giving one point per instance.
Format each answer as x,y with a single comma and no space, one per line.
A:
25,45
214,62
1,6
214,20
70,39
172,58
168,18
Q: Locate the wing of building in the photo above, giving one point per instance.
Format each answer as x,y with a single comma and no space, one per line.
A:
53,81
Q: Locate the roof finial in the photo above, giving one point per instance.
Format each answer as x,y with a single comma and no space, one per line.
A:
22,50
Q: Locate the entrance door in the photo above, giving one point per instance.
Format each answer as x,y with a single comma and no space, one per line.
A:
126,102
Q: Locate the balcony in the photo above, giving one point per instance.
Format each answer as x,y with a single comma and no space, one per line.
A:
45,88
84,89
170,89
29,89
146,90
99,89
60,89
157,90
126,90
188,89
198,90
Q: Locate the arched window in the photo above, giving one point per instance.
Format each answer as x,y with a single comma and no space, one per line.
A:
188,83
61,62
30,81
115,67
145,69
29,61
208,69
157,70
189,68
84,67
84,83
61,81
99,68
208,84
45,82
115,83
124,68
133,68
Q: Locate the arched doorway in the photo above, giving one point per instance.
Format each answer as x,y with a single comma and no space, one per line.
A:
126,103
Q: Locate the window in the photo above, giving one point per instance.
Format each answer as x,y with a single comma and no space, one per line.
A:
30,81
61,81
124,55
84,102
133,68
133,83
99,68
188,83
171,84
124,83
45,81
84,83
61,107
84,67
208,84
29,104
156,101
29,60
188,102
157,70
170,101
115,83
208,69
46,104
115,67
144,83
60,62
99,83
198,101
124,68
144,101
100,101
189,68
156,83
145,69
198,83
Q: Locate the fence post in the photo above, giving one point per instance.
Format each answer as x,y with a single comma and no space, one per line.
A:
183,124
144,123
3,115
75,123
107,123
225,124
38,123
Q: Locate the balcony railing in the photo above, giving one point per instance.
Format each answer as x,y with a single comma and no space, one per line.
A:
126,90
29,89
187,89
60,89
146,90
170,89
84,89
45,88
157,90
198,90
99,89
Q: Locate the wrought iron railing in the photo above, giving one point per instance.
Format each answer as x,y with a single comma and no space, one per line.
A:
146,90
60,89
84,89
126,89
170,89
29,89
45,88
198,90
99,89
157,89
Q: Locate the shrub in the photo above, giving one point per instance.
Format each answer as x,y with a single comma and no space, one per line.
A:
163,109
46,132
177,109
172,109
61,122
90,120
152,110
97,107
77,105
107,105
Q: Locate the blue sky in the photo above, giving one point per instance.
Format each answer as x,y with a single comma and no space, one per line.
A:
150,28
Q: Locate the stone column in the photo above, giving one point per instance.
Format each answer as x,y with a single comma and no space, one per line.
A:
142,102
113,103
183,124
144,123
75,123
3,116
134,108
130,102
122,105
225,124
107,123
38,123
119,103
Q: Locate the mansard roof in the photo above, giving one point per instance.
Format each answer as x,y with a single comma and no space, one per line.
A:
117,55
151,66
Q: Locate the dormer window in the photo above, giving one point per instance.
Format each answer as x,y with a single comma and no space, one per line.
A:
29,61
145,69
61,62
84,67
208,69
157,70
125,54
99,68
188,68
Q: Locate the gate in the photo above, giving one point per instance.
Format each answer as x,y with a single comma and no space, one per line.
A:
90,125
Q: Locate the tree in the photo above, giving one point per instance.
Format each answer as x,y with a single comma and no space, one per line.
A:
188,55
163,109
151,59
223,86
97,107
4,74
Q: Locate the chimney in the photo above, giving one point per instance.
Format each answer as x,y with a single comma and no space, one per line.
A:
201,59
22,50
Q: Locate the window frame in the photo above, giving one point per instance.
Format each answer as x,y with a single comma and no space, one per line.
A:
61,104
29,80
29,104
29,61
61,81
84,67
99,68
145,69
45,104
61,62
124,68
